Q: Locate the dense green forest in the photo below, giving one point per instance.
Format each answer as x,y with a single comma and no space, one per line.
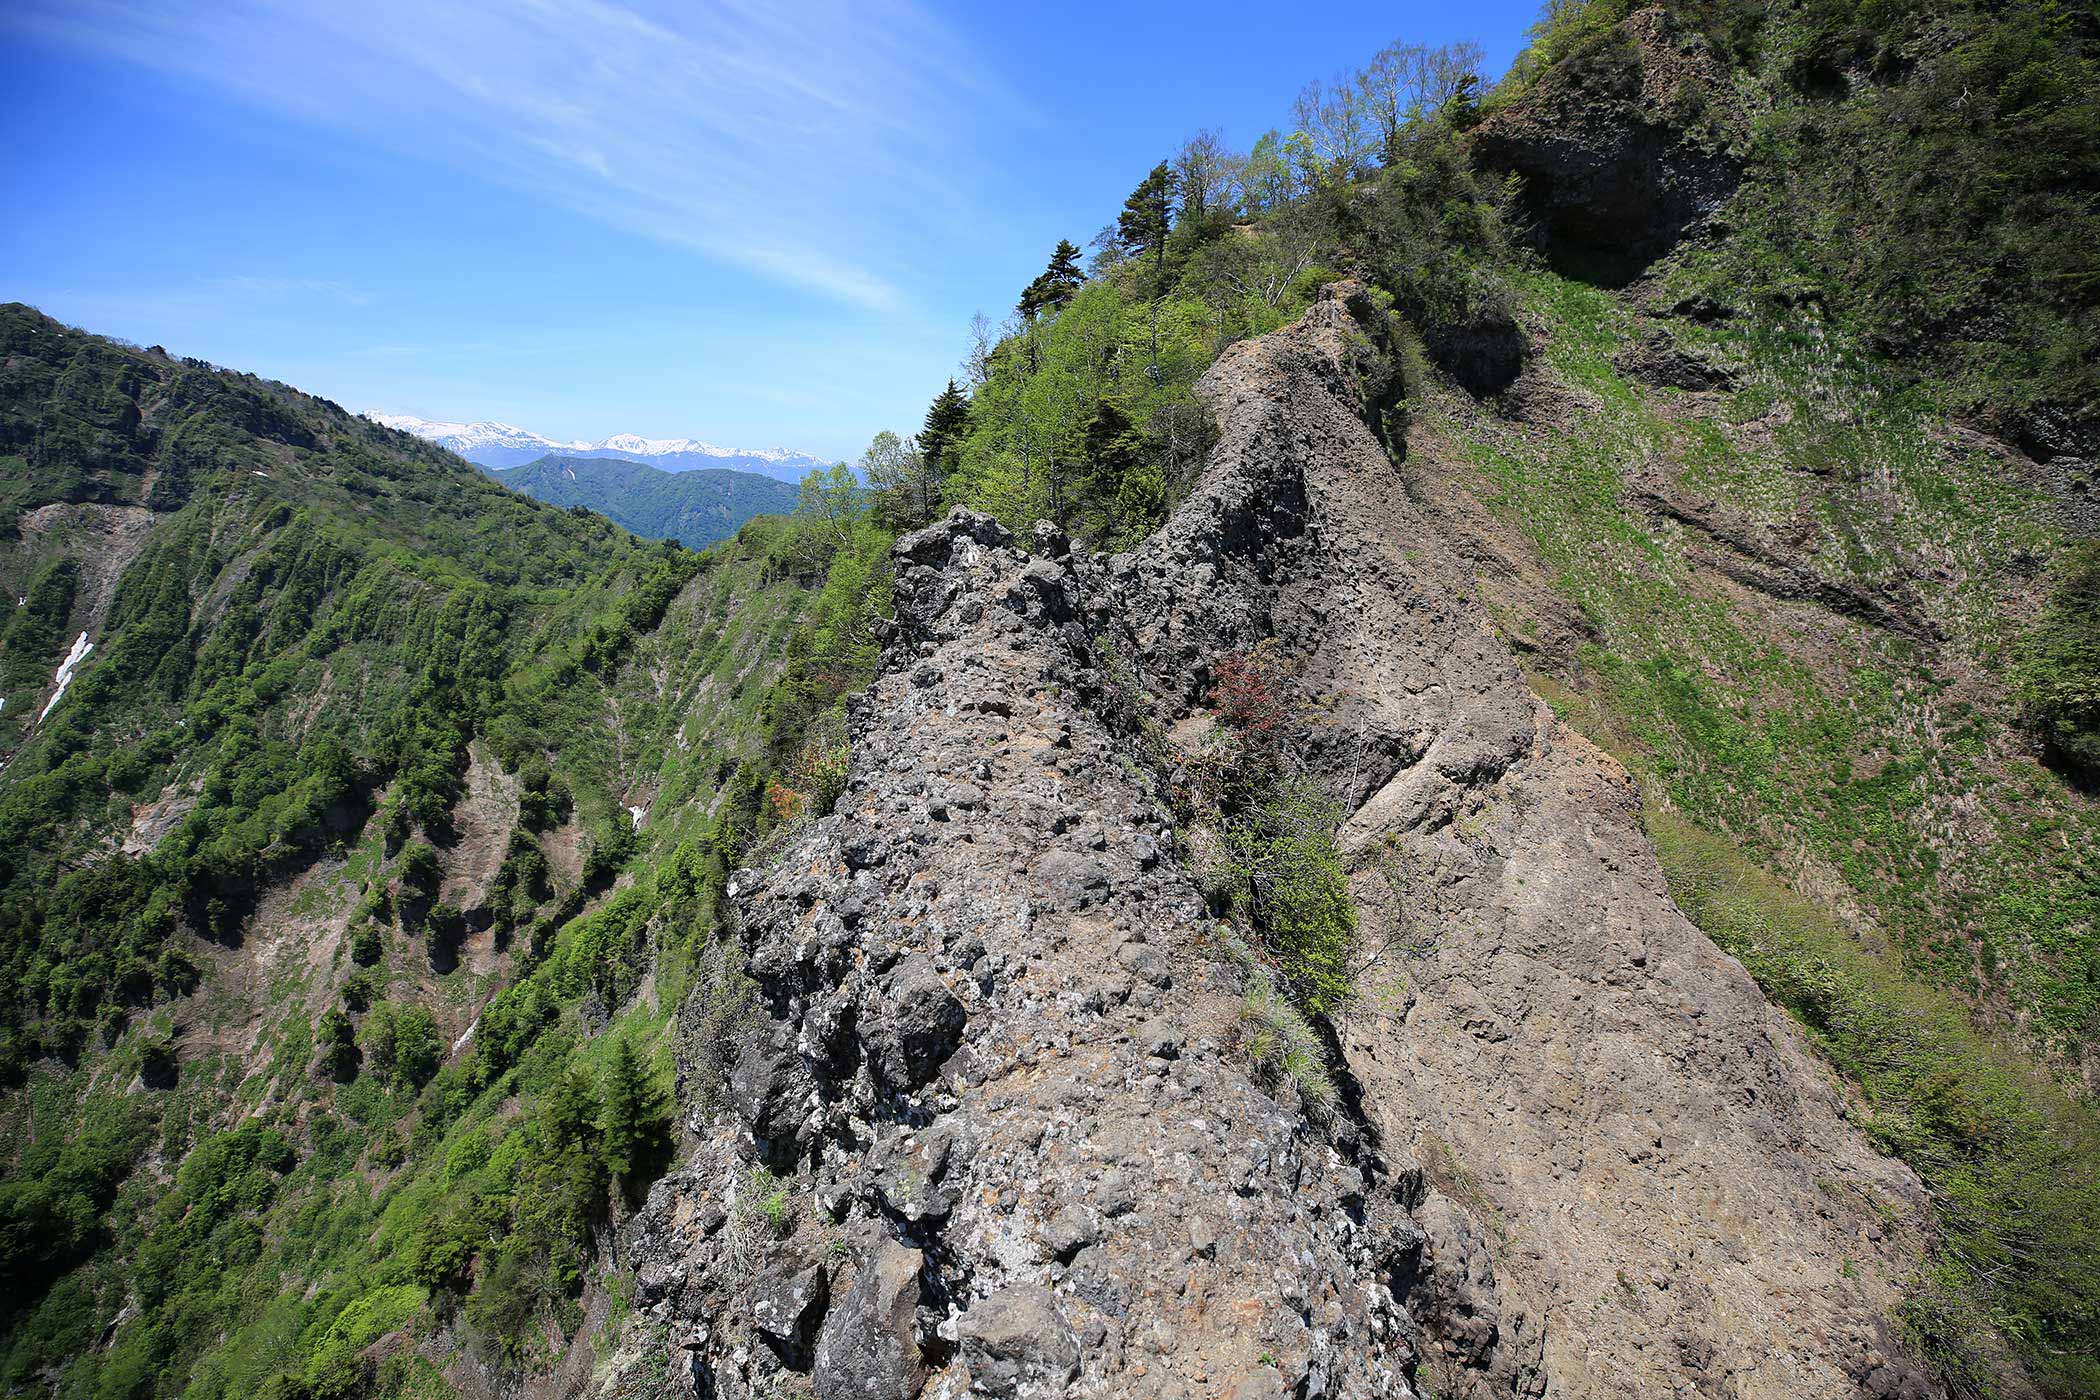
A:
347,892
695,508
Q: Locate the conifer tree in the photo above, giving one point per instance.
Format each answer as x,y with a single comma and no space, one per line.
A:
1143,225
948,417
1056,285
570,1110
634,1118
1142,228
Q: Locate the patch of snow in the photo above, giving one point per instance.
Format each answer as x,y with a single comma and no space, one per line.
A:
465,1035
461,437
81,647
264,475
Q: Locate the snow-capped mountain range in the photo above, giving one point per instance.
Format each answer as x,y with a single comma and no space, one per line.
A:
500,445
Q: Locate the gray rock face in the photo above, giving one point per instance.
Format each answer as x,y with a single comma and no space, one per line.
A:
919,1027
1580,1156
1015,1343
869,1349
1663,1191
1621,150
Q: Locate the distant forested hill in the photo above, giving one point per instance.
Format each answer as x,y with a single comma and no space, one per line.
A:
696,508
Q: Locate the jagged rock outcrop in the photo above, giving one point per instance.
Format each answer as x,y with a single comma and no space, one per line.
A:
990,1057
1670,1182
989,1053
1622,148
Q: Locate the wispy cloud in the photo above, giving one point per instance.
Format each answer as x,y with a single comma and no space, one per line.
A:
755,134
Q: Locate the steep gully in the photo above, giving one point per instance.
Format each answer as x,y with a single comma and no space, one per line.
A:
987,1047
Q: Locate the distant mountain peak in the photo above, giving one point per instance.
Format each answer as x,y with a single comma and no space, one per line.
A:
500,445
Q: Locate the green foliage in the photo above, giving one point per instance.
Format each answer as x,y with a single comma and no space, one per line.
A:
51,1214
1048,292
1282,1046
333,1369
695,508
2060,680
1925,169
1142,227
765,1203
33,639
402,1045
1283,866
637,1117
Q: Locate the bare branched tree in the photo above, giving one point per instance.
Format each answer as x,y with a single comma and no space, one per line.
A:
1332,117
1206,176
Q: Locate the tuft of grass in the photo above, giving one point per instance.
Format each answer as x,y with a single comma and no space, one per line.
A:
1283,1048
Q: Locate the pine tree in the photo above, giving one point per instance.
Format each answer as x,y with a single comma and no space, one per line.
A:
1142,228
1143,225
1057,284
948,420
634,1119
570,1111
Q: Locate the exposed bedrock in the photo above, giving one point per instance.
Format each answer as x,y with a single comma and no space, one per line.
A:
988,1059
1622,149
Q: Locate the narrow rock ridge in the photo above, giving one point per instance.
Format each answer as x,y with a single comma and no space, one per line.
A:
1669,1180
987,1050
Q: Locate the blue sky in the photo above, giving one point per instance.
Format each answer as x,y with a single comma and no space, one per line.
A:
761,225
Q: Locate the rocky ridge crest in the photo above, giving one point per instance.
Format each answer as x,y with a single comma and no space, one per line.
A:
988,1057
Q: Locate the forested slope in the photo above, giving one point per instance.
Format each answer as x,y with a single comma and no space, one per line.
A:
314,896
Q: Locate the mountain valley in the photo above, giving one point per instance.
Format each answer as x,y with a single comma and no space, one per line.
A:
1466,766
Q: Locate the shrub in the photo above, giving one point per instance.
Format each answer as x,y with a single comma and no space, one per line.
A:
2060,680
1282,859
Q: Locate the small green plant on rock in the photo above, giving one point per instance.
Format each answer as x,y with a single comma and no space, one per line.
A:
1281,861
1283,1047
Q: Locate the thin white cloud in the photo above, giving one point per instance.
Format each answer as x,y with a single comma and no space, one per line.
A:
759,135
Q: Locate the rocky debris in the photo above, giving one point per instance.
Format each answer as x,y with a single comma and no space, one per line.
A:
986,1059
1622,148
987,1049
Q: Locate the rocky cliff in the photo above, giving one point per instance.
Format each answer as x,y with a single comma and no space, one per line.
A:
983,1123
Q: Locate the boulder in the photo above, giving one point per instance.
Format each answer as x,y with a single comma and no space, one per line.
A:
1017,1343
869,1346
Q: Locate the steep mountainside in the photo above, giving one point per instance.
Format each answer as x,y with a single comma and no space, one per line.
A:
313,874
994,1026
696,508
